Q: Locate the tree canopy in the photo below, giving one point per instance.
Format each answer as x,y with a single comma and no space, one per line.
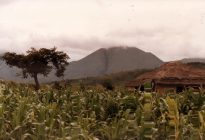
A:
38,61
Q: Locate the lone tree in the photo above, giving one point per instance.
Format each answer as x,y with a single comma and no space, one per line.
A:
36,62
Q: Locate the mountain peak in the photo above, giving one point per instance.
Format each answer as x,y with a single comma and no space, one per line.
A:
121,48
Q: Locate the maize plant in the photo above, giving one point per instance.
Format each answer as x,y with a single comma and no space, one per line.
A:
97,114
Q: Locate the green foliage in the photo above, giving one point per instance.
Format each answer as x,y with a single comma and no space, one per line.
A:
148,85
98,114
111,109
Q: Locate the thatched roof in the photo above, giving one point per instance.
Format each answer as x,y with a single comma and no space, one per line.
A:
172,72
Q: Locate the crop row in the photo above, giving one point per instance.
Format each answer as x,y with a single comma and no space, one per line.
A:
99,114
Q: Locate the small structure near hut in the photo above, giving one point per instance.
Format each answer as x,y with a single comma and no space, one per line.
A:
171,77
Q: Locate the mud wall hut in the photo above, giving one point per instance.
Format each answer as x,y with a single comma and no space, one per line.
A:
171,77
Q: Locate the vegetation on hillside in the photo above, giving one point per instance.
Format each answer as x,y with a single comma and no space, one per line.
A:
197,65
116,79
99,114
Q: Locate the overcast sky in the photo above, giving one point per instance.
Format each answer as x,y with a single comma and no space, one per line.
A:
171,29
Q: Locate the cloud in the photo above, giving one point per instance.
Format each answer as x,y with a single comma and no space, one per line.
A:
171,29
6,2
166,43
76,47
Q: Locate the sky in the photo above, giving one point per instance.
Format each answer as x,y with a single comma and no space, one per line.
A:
170,29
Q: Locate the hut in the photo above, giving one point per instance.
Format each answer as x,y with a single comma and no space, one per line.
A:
171,77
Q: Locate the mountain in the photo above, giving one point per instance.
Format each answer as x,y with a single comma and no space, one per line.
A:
10,73
188,60
101,62
112,60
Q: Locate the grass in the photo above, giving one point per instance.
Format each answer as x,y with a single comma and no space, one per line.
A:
97,114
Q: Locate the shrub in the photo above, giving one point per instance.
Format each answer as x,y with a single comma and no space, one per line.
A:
107,84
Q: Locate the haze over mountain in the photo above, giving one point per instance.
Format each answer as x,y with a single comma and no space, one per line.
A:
188,60
101,62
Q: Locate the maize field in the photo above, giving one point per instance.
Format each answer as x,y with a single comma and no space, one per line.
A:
97,114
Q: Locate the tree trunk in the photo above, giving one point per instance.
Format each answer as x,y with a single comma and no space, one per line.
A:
37,85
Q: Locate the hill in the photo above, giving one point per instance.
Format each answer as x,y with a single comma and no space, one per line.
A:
195,62
190,60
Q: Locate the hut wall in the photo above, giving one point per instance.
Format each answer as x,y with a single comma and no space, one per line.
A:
162,89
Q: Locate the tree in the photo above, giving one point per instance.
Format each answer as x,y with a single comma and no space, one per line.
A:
36,62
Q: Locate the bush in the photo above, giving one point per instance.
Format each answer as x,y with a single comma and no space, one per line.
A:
111,110
107,84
